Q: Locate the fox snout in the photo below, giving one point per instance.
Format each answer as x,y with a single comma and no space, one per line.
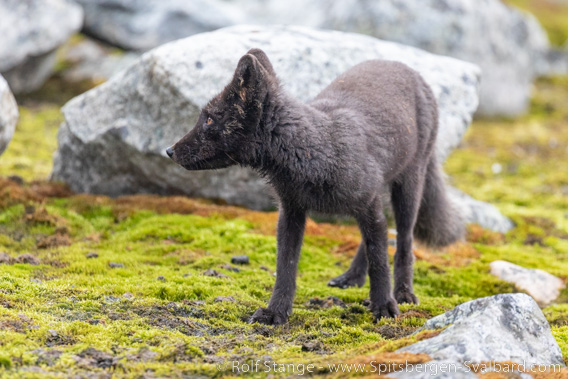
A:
170,151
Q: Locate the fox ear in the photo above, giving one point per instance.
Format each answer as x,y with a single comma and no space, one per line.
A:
263,60
249,78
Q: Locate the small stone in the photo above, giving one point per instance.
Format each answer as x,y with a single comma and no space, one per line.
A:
541,285
115,265
37,281
161,278
221,299
6,259
196,303
230,268
128,295
496,168
27,258
215,273
92,254
240,260
312,346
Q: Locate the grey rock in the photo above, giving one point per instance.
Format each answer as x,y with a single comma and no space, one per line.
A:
508,44
145,24
505,327
240,260
479,212
8,115
92,61
31,32
221,299
556,62
541,285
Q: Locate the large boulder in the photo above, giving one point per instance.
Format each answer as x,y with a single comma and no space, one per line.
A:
93,61
500,328
114,136
508,44
8,115
145,24
31,31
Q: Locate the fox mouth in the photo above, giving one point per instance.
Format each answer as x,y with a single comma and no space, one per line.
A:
192,164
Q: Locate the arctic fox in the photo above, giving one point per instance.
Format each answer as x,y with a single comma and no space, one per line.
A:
372,128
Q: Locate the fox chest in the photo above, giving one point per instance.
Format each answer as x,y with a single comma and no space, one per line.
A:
325,196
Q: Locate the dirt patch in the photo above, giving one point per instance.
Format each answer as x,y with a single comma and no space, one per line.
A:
392,332
124,206
478,234
410,313
39,215
314,347
22,324
456,255
174,316
25,258
54,338
58,239
427,334
47,357
14,191
92,357
328,302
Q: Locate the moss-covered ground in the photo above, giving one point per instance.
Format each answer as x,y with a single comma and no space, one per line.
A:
143,286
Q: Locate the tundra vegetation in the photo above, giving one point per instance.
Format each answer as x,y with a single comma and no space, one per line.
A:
144,285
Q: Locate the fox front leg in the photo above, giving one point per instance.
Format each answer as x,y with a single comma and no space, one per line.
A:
291,224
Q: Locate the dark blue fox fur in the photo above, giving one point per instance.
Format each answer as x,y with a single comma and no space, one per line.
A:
373,128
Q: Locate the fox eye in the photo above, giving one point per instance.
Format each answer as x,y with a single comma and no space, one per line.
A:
209,121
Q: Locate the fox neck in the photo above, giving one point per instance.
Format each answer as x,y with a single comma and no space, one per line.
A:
284,136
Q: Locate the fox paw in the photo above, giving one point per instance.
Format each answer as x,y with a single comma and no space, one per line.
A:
387,309
347,280
268,317
405,296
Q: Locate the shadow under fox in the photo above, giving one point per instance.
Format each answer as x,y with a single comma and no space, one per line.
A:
374,127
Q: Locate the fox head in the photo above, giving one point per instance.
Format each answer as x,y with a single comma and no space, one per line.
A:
225,131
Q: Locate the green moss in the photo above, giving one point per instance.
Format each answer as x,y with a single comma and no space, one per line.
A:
30,153
5,362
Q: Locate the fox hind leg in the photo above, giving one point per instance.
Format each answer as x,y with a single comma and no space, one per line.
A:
356,275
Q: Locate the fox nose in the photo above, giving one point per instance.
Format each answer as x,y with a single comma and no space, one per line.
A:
170,151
